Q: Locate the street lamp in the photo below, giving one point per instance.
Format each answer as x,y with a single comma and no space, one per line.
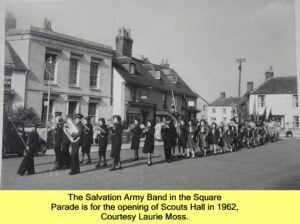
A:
240,61
49,70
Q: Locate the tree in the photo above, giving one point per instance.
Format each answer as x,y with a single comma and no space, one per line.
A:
25,115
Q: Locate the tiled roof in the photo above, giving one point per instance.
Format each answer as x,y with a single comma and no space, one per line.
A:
224,101
278,85
12,60
143,77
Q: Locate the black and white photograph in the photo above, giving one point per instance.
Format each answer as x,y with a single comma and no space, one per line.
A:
160,94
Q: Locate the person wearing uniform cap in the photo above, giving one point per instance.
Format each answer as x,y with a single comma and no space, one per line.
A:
168,133
87,139
32,145
58,137
75,167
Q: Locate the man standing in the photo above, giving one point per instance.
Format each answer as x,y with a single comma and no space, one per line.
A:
76,143
168,134
58,137
33,143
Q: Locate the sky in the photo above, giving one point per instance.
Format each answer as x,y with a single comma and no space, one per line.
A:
201,39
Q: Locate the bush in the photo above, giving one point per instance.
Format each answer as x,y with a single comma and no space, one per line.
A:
25,115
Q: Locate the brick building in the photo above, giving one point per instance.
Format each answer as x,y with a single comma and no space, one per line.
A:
144,90
81,80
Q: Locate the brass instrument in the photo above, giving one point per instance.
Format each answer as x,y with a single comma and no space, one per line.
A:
99,130
69,129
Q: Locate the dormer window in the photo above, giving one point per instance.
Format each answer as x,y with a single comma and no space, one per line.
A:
157,75
131,69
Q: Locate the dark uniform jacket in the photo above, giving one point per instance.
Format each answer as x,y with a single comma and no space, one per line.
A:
33,142
149,141
87,137
102,137
136,138
116,139
58,137
183,136
77,135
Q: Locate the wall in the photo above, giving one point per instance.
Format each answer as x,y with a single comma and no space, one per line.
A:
219,115
118,94
18,85
280,104
33,54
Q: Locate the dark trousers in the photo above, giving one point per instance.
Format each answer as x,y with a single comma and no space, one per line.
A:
116,160
57,151
167,149
102,154
64,156
27,164
75,167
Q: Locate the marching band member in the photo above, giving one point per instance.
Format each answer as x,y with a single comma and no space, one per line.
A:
58,130
136,138
75,168
102,134
203,131
116,142
191,139
168,133
65,151
33,144
214,137
149,141
87,139
182,138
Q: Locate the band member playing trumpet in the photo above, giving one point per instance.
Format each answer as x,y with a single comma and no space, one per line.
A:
87,139
76,143
33,143
136,138
116,142
102,134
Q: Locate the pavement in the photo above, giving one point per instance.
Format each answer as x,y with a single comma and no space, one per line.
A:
272,166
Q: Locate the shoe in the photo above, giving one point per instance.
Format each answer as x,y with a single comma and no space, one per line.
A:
88,162
112,169
119,168
73,173
98,166
104,165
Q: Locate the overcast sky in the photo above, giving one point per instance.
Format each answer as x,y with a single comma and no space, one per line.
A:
200,38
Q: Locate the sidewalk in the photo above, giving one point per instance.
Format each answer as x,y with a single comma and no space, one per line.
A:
95,147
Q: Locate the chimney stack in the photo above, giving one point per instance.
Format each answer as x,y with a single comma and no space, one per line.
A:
249,87
269,73
222,94
47,24
10,21
124,42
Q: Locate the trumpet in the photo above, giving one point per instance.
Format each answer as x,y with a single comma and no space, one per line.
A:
99,130
69,129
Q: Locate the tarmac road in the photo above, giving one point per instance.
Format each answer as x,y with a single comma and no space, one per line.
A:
273,166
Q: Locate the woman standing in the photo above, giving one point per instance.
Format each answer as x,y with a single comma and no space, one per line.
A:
136,138
191,139
214,137
149,141
116,142
203,131
102,134
183,137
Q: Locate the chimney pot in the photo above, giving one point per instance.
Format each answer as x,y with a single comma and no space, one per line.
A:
269,73
223,94
249,86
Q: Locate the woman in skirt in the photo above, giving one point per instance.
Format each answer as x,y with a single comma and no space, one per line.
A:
191,139
182,138
149,141
102,141
214,137
136,138
203,131
116,142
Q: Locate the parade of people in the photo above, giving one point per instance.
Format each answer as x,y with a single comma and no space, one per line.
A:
190,137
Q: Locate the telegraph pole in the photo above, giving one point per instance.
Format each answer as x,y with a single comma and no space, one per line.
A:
49,70
240,61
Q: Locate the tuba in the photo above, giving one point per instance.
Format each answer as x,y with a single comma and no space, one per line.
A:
69,129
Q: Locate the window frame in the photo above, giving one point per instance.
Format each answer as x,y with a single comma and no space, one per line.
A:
76,72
